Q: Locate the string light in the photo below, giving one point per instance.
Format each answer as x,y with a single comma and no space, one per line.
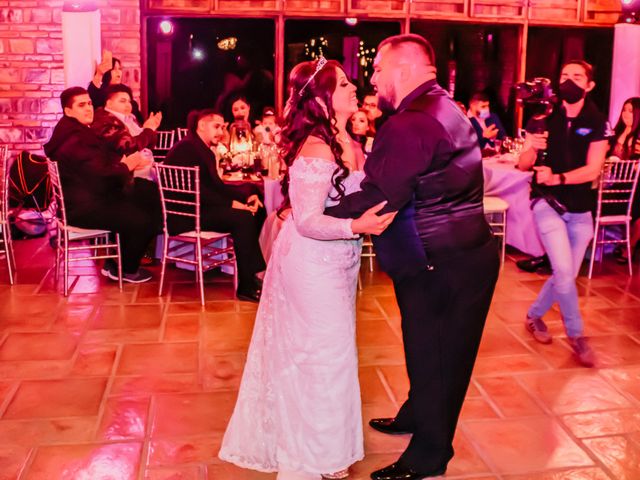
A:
315,47
366,57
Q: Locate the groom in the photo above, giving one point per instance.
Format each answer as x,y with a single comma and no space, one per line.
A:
439,250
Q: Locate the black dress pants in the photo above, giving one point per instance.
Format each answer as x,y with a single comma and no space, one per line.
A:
443,316
137,217
244,229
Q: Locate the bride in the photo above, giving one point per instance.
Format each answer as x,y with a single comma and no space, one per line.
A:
298,411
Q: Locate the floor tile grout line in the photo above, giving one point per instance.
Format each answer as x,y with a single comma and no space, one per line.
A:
387,387
484,456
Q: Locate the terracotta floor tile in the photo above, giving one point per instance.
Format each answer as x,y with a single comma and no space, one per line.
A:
526,444
371,386
221,372
181,328
378,333
145,358
615,350
619,455
627,379
500,341
477,408
574,391
192,414
47,431
111,317
466,460
193,472
94,360
71,462
171,366
175,451
64,398
162,383
38,346
571,474
12,460
509,397
369,356
597,424
124,419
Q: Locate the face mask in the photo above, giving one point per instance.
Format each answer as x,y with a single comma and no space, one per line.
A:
484,113
570,92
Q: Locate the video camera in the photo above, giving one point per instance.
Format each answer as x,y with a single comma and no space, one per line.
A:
538,94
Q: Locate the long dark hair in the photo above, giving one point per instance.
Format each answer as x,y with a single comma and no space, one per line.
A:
620,127
106,78
305,116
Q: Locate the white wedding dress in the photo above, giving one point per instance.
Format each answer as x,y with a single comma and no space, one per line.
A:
299,408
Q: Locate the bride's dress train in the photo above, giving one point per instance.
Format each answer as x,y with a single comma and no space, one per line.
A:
298,409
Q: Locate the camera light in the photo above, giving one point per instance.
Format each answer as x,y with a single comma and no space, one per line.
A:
351,21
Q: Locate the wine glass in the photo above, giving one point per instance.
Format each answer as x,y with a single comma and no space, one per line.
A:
507,143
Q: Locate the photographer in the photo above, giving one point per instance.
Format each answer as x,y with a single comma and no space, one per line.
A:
562,198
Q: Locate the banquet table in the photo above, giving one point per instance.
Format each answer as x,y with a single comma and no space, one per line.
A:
502,179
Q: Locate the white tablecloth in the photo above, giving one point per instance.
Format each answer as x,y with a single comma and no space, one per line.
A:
512,185
272,194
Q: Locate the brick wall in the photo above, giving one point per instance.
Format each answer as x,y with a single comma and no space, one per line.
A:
32,69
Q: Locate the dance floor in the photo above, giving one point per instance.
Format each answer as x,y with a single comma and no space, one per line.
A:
109,385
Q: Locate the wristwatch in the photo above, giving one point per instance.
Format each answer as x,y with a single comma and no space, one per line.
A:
563,179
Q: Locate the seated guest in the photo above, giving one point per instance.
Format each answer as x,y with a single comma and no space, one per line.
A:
224,208
117,126
486,124
625,144
108,72
268,131
98,185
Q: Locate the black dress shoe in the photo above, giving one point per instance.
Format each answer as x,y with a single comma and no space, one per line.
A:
534,263
249,295
387,425
395,471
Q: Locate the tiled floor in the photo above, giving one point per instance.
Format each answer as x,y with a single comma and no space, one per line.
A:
108,385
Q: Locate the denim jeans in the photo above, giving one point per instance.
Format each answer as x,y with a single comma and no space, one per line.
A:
565,239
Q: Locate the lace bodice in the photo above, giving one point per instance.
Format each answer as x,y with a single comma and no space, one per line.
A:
310,190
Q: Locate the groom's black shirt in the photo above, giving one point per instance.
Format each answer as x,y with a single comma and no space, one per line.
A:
427,164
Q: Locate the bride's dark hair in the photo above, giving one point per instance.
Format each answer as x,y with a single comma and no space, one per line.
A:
305,116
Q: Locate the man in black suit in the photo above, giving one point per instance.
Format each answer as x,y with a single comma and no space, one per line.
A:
98,185
223,207
439,250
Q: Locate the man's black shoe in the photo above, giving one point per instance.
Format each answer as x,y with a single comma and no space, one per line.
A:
534,263
386,425
395,471
249,295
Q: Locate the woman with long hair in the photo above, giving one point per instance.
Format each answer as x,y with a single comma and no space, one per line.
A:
298,411
625,144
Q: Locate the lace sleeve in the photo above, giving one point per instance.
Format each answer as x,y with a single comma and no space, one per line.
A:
310,184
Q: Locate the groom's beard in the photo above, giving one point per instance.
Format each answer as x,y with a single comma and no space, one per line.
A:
386,104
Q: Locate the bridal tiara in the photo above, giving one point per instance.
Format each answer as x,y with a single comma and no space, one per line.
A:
321,63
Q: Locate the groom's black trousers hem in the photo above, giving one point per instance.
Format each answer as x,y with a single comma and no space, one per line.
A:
443,315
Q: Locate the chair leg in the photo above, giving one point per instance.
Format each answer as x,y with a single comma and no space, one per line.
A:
163,266
65,267
57,272
504,238
7,251
118,251
594,244
200,272
629,255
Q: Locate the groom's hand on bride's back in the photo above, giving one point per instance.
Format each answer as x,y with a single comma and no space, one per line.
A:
372,223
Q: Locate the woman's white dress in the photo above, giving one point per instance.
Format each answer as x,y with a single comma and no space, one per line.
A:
298,408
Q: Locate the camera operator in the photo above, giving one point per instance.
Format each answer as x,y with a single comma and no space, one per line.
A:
562,197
